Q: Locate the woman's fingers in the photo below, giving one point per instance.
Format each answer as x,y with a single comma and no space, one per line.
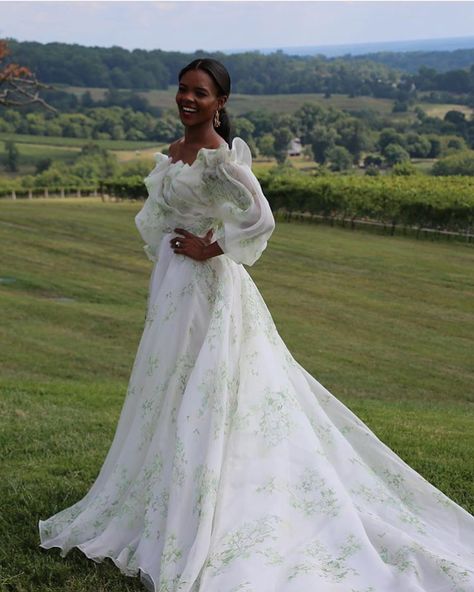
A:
177,242
190,244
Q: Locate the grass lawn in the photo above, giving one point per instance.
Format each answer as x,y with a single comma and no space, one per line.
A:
385,323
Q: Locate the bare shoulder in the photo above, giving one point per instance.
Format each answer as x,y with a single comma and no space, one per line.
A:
174,147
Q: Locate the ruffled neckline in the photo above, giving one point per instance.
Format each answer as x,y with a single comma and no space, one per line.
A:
223,146
239,151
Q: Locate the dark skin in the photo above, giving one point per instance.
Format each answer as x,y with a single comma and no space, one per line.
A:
197,91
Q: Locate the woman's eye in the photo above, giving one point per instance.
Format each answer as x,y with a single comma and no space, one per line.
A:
198,93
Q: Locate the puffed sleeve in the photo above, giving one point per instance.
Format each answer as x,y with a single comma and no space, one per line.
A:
152,220
245,220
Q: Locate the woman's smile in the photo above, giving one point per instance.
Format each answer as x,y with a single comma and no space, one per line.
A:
188,111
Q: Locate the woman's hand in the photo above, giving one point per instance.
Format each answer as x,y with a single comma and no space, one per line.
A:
196,247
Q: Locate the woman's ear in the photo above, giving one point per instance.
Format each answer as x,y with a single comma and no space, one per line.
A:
222,101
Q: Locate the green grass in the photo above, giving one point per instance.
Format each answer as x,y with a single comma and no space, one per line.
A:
286,103
385,323
75,142
240,103
31,154
33,149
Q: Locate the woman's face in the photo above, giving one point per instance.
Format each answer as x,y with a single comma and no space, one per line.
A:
197,97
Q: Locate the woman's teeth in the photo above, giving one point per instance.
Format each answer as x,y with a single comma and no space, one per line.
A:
188,110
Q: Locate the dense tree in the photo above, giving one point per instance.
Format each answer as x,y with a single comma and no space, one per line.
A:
322,139
263,121
404,169
308,115
372,160
417,146
461,163
282,137
11,156
308,152
43,165
266,145
243,128
435,146
340,158
456,144
86,100
354,136
400,106
394,153
389,136
455,117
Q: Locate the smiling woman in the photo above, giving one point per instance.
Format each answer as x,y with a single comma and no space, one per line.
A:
204,86
232,469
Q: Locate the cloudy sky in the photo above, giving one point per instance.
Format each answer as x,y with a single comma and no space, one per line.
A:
221,25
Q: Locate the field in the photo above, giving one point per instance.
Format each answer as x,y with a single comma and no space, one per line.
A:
240,103
385,323
34,149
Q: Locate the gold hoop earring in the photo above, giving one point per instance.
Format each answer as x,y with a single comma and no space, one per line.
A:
217,121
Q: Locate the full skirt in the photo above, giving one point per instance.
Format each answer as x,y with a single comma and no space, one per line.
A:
234,470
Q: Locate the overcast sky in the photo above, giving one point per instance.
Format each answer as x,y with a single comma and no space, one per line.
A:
222,25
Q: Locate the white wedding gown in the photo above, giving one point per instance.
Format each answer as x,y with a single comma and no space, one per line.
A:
232,469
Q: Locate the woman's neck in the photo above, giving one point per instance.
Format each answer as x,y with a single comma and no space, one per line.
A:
197,136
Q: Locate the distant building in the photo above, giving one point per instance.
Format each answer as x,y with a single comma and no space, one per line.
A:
294,147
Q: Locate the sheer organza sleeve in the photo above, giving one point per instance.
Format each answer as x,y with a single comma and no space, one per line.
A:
245,220
152,220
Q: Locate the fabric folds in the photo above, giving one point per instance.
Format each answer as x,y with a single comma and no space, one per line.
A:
232,469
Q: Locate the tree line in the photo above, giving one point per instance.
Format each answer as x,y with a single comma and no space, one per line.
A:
251,72
412,61
327,134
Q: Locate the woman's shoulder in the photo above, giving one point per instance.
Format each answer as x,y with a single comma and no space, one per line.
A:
172,151
173,148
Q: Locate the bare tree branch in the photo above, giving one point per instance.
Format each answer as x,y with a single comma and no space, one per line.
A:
18,85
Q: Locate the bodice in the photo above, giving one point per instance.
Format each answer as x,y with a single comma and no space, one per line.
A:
219,191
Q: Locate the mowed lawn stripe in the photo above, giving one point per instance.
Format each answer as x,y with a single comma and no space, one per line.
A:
384,323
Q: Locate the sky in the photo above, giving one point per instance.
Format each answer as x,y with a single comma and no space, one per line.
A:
226,26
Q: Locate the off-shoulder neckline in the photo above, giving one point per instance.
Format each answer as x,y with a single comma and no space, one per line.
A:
224,146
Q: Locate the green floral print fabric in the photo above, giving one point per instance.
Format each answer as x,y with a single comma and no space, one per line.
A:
232,469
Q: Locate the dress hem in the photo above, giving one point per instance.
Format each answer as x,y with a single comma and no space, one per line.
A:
139,572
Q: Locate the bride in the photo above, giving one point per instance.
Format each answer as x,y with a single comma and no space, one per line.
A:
232,469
